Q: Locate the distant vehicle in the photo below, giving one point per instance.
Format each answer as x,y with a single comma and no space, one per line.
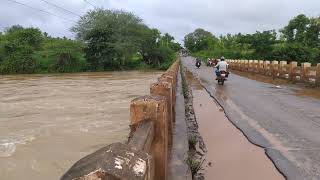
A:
184,53
198,63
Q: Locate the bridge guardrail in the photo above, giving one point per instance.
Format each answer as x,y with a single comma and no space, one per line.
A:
281,69
151,119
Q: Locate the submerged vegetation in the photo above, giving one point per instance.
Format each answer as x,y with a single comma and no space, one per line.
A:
298,41
105,40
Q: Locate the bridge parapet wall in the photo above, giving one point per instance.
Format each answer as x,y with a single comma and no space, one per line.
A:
280,69
145,155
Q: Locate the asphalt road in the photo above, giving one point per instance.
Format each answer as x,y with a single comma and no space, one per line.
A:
285,125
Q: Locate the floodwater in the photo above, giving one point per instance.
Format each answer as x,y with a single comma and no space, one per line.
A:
48,122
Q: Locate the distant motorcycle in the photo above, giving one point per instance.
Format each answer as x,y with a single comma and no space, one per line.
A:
198,64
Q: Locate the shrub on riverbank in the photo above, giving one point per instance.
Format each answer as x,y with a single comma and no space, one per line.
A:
28,50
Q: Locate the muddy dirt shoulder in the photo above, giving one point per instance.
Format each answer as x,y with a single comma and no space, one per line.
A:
197,147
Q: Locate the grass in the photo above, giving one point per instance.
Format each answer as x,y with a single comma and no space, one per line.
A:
192,140
184,83
195,166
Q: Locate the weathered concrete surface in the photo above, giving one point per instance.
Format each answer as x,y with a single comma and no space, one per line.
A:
177,168
141,136
163,88
116,161
155,109
286,125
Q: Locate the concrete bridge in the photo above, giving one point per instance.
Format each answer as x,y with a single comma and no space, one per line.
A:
245,129
273,117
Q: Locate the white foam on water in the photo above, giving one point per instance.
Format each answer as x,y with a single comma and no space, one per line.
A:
8,146
7,149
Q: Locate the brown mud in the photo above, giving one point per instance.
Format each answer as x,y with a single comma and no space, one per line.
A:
197,148
310,92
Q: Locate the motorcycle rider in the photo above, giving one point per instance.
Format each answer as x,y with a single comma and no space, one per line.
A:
198,62
222,65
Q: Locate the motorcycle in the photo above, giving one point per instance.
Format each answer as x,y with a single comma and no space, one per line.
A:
198,64
223,77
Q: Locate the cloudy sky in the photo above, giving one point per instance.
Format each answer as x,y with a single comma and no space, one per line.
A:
177,17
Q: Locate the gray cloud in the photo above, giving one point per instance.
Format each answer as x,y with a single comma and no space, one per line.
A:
175,17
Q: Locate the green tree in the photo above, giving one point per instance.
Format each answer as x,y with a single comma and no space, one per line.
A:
296,29
198,40
113,38
312,34
110,37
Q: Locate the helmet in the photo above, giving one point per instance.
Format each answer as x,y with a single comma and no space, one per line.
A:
222,58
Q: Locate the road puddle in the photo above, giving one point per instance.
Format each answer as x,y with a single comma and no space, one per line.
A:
314,92
194,82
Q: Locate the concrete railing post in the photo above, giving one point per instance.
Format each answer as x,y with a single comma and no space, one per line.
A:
256,63
164,89
266,67
237,64
274,68
171,79
305,71
260,66
155,109
246,62
250,65
282,68
318,75
292,70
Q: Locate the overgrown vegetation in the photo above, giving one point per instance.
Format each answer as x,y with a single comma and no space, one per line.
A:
194,164
184,83
106,40
192,141
195,159
298,41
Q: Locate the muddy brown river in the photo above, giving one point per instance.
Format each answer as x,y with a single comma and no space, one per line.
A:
48,122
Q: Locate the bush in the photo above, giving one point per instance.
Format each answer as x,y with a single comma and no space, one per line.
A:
59,55
18,62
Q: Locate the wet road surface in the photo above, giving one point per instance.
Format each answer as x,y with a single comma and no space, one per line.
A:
229,155
285,125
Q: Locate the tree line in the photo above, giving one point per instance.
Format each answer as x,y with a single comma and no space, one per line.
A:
105,40
298,41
